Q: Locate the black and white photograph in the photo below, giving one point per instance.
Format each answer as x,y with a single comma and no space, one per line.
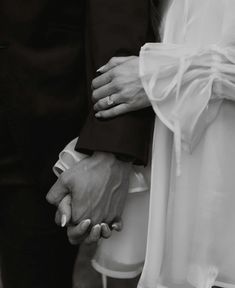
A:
117,143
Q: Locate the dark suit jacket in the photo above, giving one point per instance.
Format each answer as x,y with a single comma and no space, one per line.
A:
117,28
44,70
43,95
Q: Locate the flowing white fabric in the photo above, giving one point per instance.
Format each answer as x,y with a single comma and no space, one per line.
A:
190,81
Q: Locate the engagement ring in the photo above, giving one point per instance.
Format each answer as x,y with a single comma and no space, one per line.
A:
109,101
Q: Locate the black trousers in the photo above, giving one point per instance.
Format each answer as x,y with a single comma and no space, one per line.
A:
35,253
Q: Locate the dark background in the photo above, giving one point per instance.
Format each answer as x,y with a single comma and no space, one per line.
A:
86,277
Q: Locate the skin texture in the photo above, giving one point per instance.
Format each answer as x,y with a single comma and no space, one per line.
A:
86,203
98,194
121,84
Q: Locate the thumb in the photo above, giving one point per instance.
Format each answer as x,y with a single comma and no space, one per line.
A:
57,192
113,62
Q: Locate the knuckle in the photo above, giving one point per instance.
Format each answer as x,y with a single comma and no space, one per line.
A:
122,96
111,75
116,83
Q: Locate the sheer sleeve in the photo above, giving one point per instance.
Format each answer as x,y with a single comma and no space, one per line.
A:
187,86
188,76
190,81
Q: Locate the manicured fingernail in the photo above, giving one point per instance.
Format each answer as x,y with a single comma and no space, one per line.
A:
104,227
100,69
63,220
106,232
116,227
85,224
97,115
96,229
97,226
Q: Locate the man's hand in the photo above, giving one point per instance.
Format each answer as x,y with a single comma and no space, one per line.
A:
98,186
119,89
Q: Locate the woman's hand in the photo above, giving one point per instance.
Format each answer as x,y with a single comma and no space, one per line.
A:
118,89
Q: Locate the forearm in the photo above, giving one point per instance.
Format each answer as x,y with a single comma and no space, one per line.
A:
197,81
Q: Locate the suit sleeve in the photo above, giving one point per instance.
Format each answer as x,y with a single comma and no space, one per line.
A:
117,28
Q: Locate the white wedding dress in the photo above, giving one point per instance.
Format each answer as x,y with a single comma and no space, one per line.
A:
190,81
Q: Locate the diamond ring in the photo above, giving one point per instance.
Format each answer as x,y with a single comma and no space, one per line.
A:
109,101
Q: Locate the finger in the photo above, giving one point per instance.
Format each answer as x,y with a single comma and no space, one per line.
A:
57,192
113,62
105,231
94,235
75,233
103,104
64,209
102,80
114,111
103,92
117,225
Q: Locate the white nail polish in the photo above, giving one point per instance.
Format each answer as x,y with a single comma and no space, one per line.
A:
88,221
63,220
85,224
100,69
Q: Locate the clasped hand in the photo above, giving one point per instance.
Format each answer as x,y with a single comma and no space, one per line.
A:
90,197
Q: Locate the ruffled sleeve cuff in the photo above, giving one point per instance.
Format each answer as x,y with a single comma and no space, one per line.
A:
187,86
